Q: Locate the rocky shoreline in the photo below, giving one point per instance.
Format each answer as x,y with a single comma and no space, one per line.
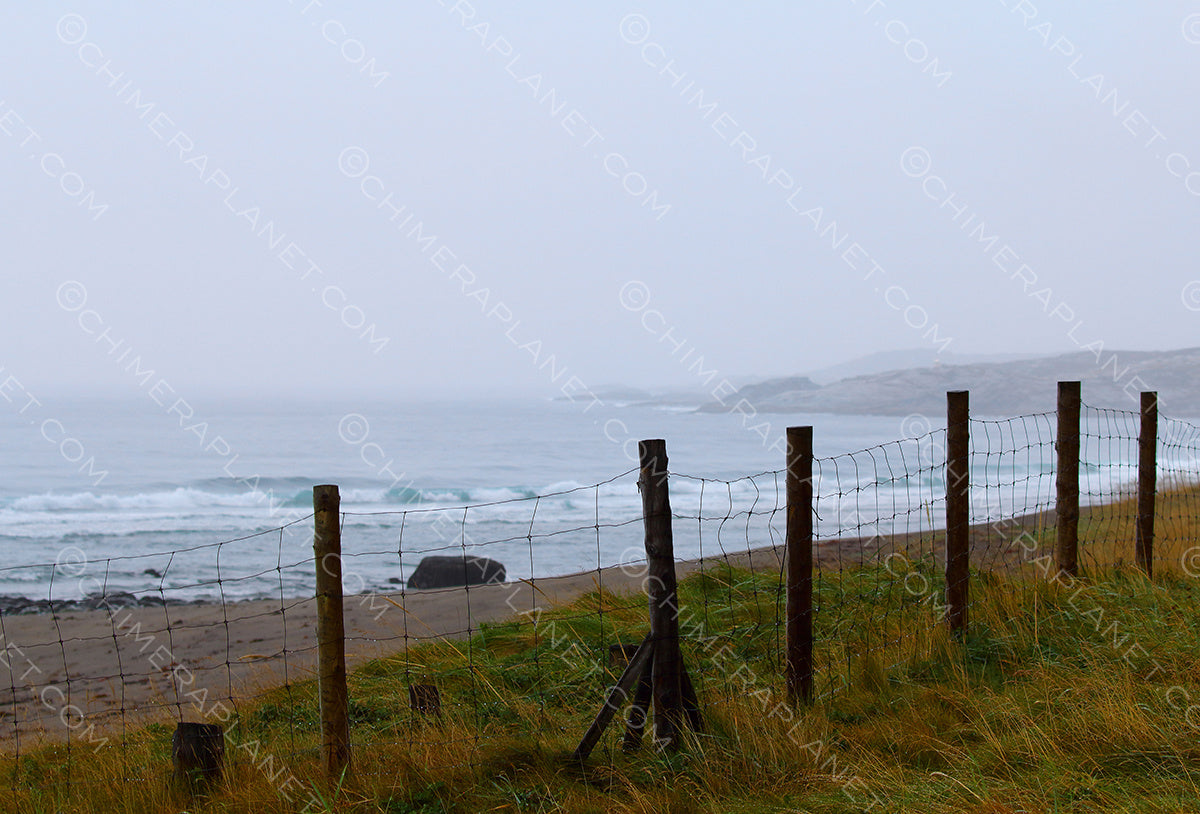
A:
15,605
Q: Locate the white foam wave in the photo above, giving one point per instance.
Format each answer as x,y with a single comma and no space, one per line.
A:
175,500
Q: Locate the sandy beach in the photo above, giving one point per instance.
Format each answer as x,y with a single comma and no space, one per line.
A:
86,674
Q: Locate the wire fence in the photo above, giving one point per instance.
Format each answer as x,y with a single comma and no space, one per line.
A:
102,666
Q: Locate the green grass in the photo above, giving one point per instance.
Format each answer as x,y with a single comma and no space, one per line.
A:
1059,699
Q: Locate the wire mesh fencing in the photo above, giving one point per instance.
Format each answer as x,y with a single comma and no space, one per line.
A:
121,643
553,606
1178,500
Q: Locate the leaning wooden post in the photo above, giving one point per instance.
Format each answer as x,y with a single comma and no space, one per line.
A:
613,699
958,508
331,642
799,564
1147,482
1067,479
664,602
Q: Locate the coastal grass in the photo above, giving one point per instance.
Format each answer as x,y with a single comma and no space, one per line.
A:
1064,696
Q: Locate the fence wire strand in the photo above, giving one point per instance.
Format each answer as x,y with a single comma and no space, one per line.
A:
218,636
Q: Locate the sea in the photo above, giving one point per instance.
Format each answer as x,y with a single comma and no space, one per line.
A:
127,496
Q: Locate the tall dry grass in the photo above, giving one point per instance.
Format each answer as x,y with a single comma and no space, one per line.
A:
1062,697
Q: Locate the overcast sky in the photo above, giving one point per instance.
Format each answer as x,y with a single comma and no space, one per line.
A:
422,197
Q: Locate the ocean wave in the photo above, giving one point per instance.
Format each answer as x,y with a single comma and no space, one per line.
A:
180,498
278,484
183,499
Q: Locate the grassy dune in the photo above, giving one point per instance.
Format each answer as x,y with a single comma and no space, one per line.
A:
1064,697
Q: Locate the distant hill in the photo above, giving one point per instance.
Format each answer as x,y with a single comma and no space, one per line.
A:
997,388
886,360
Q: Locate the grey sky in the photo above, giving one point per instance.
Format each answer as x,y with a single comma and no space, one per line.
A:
1068,129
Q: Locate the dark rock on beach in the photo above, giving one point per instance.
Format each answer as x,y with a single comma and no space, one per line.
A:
19,604
453,572
12,605
101,601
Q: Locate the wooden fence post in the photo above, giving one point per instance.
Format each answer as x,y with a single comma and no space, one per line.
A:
1067,480
664,602
331,641
197,753
958,508
1147,482
799,564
